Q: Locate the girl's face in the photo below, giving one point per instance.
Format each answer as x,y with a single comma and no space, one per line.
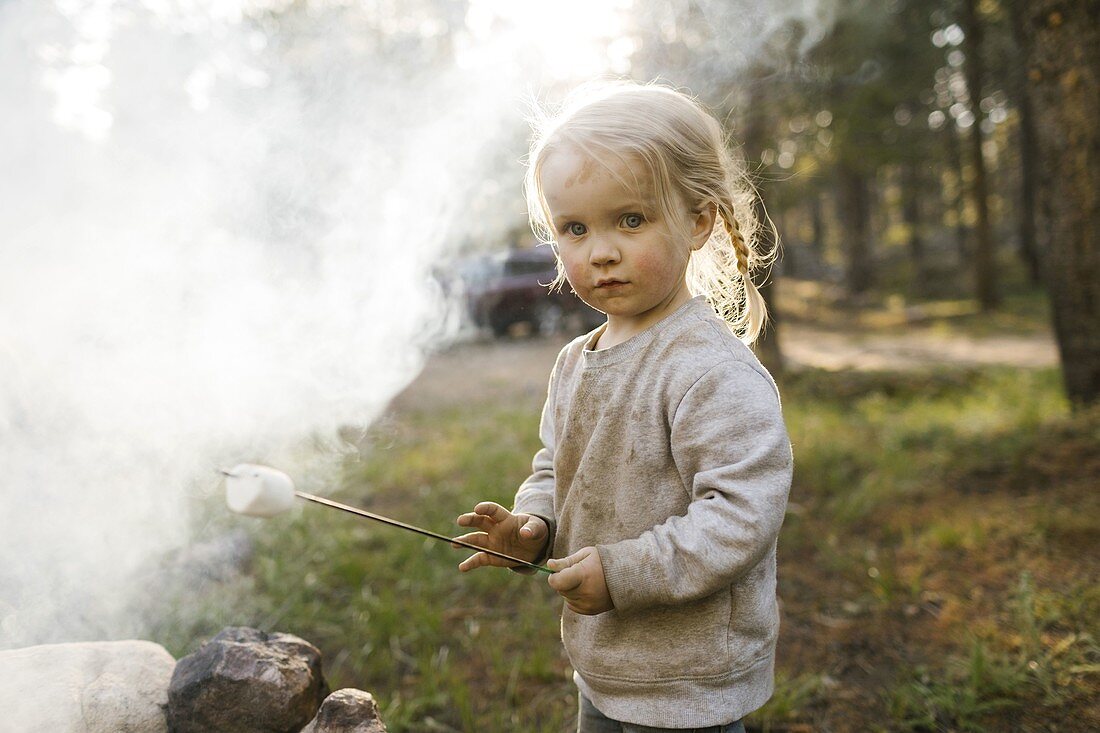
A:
618,249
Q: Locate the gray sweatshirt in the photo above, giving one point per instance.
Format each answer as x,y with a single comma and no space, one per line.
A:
669,454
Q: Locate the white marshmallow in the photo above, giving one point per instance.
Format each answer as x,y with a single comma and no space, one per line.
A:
258,491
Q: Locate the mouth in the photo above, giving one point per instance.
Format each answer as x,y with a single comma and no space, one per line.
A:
609,283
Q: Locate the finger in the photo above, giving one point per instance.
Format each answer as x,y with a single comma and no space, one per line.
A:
477,521
565,581
473,562
558,564
570,560
534,529
492,510
482,560
474,538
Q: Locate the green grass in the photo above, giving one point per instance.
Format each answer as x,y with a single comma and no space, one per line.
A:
881,462
913,484
1001,672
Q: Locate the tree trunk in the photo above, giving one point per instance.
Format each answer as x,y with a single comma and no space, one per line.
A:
1062,39
1027,146
789,256
817,219
911,191
855,212
984,260
767,346
954,153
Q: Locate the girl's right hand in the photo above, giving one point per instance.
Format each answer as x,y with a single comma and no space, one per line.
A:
520,535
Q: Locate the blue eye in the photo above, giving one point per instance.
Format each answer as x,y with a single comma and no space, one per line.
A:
633,221
576,230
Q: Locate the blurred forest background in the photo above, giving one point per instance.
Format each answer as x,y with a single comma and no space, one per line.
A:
931,169
927,152
932,158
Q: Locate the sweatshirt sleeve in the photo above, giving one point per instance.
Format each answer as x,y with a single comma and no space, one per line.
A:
536,494
731,448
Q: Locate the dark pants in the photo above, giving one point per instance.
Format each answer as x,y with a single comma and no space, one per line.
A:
591,720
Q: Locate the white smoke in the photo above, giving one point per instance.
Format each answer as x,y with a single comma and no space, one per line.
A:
719,48
218,225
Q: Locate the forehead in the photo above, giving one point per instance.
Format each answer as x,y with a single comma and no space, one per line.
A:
572,178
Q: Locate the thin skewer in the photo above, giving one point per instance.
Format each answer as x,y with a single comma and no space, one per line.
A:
409,527
418,530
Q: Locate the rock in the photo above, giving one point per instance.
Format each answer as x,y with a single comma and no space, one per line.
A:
92,687
247,681
347,711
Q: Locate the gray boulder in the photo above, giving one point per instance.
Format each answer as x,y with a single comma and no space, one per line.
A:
347,711
247,681
92,687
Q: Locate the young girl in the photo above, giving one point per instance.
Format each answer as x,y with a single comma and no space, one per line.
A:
665,467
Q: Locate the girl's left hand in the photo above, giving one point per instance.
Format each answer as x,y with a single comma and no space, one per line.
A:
579,580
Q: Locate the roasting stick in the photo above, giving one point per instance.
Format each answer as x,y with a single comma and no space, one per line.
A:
281,489
418,530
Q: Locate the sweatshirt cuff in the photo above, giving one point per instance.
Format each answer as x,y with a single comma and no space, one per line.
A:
630,576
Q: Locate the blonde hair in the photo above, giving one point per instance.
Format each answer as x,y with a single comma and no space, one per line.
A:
683,148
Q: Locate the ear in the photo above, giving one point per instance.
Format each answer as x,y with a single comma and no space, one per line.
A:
702,225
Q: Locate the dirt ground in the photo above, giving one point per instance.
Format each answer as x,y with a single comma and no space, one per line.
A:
807,346
518,368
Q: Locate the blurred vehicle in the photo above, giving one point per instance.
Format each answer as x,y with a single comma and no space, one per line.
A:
514,290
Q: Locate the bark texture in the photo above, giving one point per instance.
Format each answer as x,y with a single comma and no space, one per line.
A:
856,213
911,209
767,345
1062,41
1029,155
985,260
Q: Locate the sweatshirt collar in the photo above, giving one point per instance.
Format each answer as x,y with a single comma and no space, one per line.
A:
636,343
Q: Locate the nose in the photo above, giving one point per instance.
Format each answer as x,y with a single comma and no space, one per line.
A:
604,251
